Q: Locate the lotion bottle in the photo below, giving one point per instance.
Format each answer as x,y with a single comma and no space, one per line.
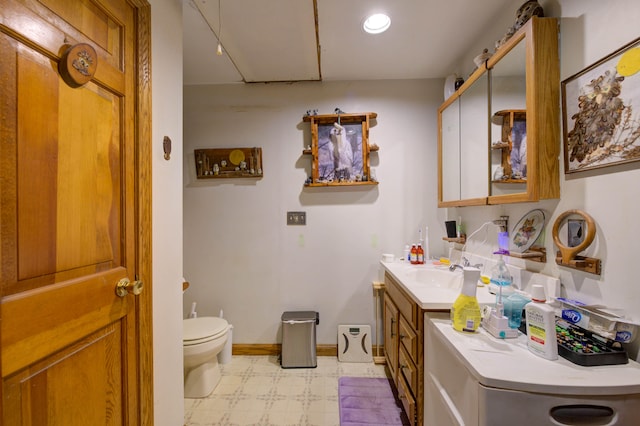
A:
541,325
465,312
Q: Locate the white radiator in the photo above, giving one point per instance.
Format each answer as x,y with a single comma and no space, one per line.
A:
354,343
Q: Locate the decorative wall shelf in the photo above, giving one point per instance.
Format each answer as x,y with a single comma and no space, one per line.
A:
461,240
581,263
223,163
340,150
534,254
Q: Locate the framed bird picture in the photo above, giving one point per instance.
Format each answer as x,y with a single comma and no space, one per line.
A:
601,112
340,149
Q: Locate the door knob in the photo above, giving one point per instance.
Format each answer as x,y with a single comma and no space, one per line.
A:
125,287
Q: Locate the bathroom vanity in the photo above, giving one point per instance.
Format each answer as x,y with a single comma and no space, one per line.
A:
444,377
475,379
410,292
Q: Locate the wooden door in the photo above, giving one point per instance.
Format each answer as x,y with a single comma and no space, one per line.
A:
74,209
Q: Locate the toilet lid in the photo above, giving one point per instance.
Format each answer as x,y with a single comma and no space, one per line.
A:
203,328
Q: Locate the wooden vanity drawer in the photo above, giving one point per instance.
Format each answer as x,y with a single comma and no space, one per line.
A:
407,400
405,305
408,338
407,368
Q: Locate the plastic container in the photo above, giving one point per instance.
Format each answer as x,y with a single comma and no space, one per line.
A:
465,312
420,254
513,306
541,325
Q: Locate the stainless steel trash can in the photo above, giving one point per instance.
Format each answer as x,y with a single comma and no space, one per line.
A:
299,339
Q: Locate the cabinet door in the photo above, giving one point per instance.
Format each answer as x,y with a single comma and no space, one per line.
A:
391,335
525,76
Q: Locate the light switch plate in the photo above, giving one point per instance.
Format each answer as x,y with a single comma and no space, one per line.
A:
296,218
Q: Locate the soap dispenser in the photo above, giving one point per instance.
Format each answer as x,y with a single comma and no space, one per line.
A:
465,312
496,323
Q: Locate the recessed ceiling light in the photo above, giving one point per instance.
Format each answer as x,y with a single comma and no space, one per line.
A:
377,23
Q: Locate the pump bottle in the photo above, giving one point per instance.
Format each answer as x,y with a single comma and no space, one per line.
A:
465,312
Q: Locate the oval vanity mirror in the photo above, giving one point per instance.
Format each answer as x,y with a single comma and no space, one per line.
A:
581,230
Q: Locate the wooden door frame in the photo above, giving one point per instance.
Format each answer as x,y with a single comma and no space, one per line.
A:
143,196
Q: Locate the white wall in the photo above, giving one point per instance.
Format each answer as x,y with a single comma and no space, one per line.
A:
239,254
589,31
167,212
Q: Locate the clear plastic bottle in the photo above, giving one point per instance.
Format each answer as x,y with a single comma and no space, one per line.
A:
501,278
406,255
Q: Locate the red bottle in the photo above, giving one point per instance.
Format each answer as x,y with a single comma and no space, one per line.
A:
420,254
414,254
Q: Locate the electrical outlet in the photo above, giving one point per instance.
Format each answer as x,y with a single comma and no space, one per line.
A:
296,218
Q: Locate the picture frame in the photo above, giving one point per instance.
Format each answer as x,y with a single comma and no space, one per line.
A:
349,163
340,149
601,112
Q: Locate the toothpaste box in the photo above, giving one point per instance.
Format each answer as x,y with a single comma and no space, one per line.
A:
598,319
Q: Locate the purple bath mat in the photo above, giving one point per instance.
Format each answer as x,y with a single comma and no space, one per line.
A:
369,401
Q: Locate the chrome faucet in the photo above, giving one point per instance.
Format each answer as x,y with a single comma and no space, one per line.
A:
465,263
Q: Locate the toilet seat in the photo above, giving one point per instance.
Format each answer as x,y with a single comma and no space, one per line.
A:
203,329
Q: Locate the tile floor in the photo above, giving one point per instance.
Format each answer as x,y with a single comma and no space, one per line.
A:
255,390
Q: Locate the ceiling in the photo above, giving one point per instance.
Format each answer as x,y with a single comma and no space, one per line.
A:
277,40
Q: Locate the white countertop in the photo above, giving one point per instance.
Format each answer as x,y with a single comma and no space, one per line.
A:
433,297
508,364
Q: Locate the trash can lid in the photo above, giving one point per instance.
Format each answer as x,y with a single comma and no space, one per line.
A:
299,316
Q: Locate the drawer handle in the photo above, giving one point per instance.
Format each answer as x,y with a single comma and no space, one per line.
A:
579,414
393,321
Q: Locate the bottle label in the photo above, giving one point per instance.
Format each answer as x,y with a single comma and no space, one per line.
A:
537,334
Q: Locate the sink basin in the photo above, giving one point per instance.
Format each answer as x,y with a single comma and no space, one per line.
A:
436,278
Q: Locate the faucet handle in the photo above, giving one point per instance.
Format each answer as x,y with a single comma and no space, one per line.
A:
465,261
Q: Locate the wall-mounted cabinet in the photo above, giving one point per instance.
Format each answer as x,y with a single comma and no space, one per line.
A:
463,131
523,89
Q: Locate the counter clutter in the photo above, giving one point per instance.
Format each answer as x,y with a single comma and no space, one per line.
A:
442,374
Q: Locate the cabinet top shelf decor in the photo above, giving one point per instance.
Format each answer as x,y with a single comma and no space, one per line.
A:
340,149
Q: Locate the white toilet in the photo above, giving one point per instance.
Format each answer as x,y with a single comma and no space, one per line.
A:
203,338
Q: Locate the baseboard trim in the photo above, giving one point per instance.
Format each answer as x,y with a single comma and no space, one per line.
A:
275,349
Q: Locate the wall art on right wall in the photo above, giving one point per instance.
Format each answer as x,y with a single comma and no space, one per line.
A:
601,112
